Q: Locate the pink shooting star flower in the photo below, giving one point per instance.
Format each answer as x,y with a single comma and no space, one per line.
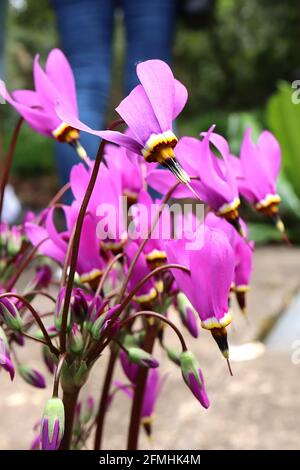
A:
37,107
149,291
257,172
207,286
149,111
129,167
214,180
243,253
143,216
153,388
105,205
90,263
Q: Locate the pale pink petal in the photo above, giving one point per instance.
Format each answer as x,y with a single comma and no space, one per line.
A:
137,112
60,74
158,82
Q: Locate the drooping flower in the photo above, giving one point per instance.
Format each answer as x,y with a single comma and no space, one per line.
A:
5,360
153,388
53,423
129,168
143,215
208,283
193,377
243,252
258,169
149,111
54,244
215,181
149,291
105,205
37,107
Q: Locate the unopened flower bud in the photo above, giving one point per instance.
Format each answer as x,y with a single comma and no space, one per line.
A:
188,314
142,358
59,309
53,424
75,339
78,304
31,376
104,322
10,315
5,360
49,359
193,377
174,356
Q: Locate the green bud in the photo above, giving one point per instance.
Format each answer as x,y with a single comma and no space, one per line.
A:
141,357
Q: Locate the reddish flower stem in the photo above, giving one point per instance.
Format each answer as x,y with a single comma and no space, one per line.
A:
100,419
77,234
8,162
139,391
36,316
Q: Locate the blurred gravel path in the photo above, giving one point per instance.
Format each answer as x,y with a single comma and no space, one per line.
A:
258,408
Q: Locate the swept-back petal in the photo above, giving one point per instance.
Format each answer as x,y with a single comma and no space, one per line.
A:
36,118
137,112
157,80
59,72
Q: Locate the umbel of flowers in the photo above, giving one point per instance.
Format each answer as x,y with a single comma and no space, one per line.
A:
117,291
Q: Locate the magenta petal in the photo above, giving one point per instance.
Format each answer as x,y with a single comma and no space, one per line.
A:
60,74
36,118
180,98
138,114
36,234
199,390
258,178
27,97
48,94
213,284
270,152
111,136
157,80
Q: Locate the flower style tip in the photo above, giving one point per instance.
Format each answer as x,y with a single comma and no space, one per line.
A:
142,358
174,166
53,423
220,337
193,377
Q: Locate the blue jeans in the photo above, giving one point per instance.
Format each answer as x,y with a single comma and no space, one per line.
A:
86,29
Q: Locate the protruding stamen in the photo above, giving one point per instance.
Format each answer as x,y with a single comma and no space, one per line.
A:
173,165
229,367
220,337
80,150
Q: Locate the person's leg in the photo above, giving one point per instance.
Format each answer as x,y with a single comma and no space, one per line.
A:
86,29
149,29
